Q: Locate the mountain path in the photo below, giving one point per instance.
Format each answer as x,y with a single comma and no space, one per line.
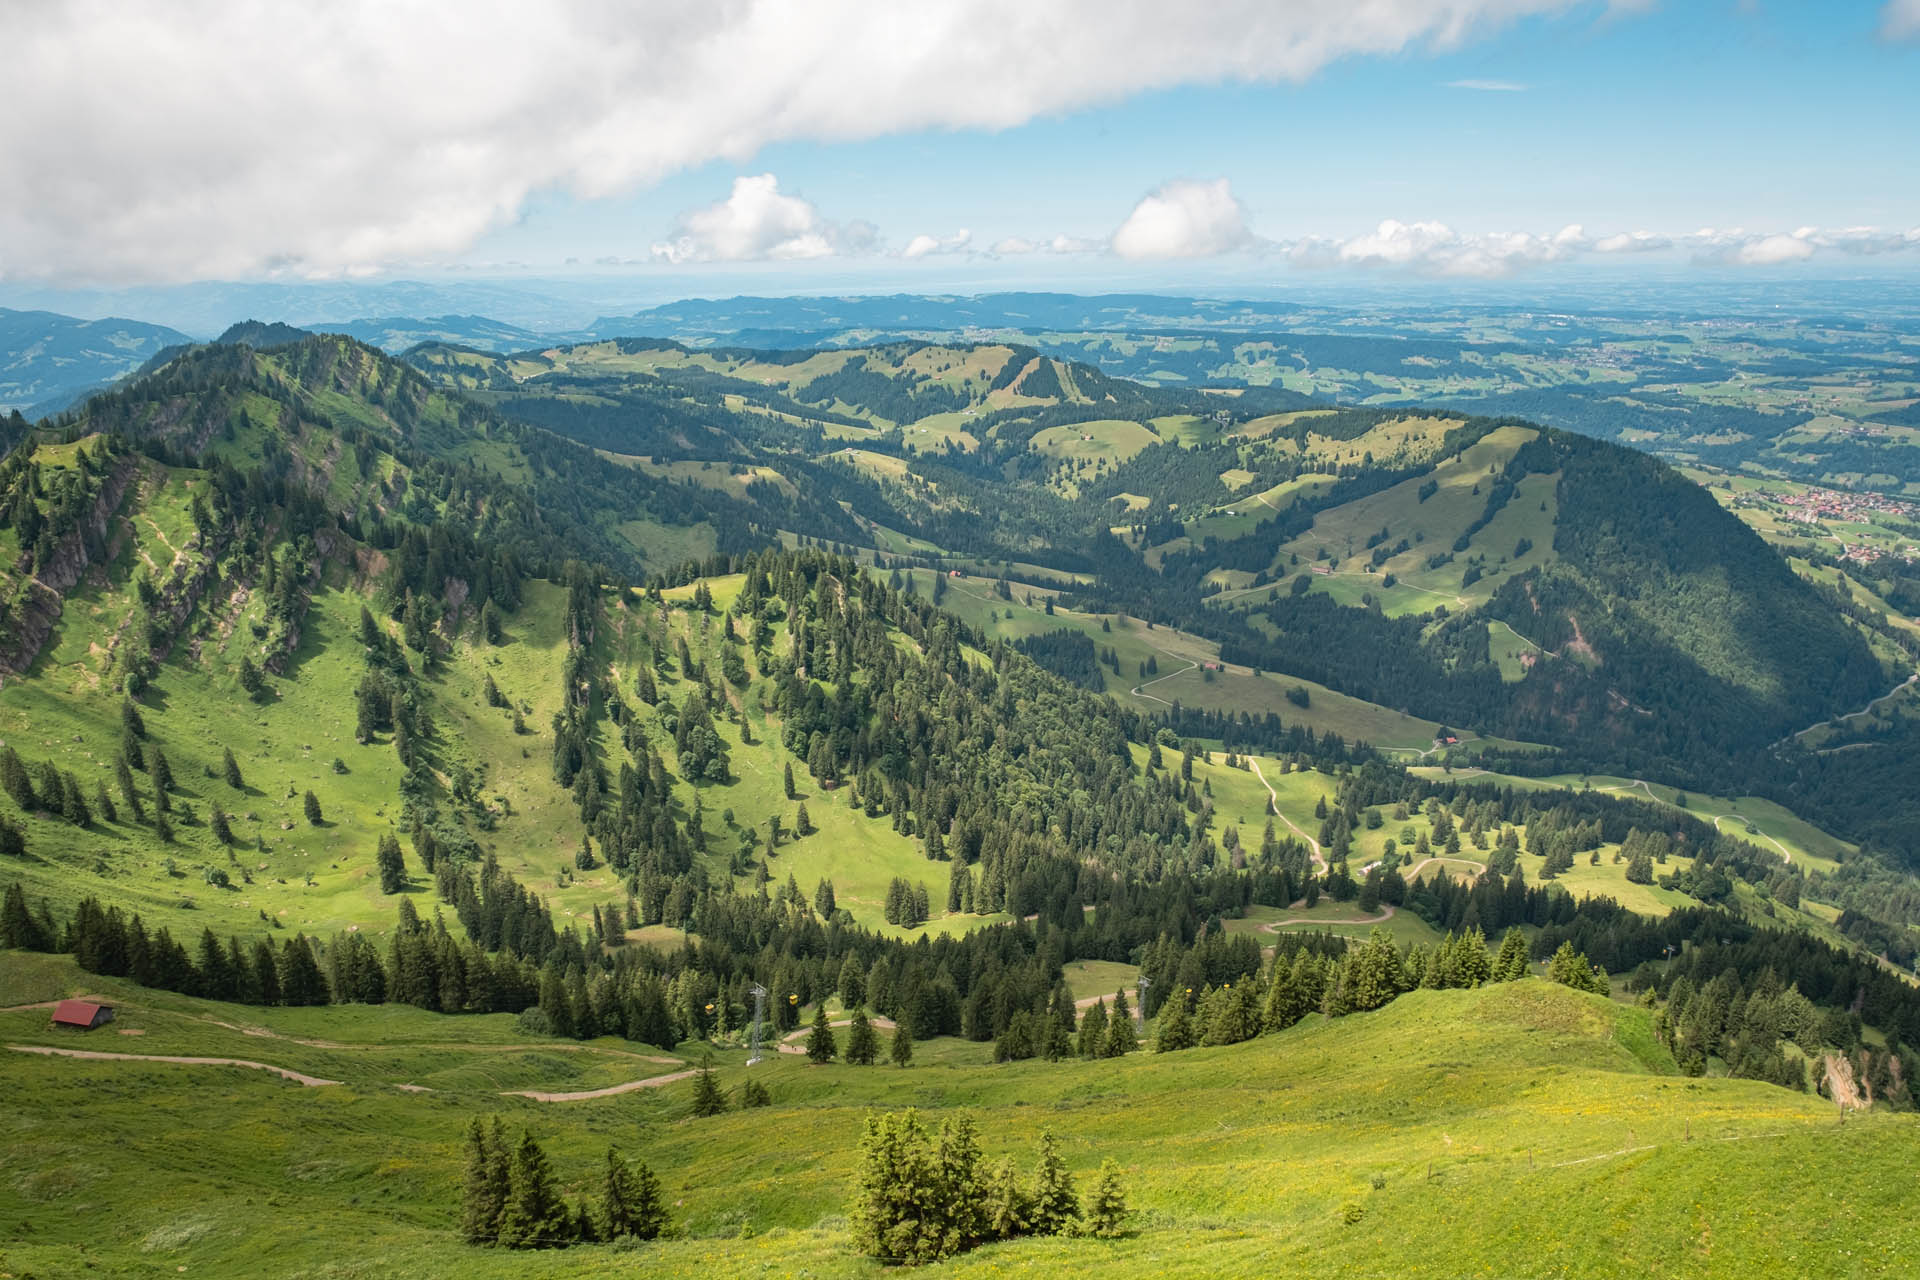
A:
651,1082
1319,859
1640,784
1909,681
96,1055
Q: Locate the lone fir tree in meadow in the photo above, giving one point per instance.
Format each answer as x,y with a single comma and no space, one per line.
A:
708,1098
312,804
390,864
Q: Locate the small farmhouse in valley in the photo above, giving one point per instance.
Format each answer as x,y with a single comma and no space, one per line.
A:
84,1014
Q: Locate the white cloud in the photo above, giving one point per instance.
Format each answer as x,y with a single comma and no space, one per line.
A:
1184,220
755,223
922,245
1488,86
387,133
1767,251
1900,20
1632,242
1434,248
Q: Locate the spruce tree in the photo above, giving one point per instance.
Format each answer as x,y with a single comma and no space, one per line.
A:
1120,1039
535,1217
13,774
1007,1204
863,1046
1056,1207
73,806
820,1044
894,1214
1093,1031
313,809
902,1051
483,1190
630,1203
708,1099
1174,1031
217,824
1511,964
161,771
230,769
392,867
959,1190
1106,1212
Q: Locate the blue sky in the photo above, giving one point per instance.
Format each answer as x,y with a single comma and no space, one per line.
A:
763,144
1764,117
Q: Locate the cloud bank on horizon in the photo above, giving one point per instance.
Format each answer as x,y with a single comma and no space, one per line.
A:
396,135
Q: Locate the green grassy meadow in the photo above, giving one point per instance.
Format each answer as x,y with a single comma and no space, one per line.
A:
1512,1130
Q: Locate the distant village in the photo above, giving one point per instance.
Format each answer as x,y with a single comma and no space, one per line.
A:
1816,506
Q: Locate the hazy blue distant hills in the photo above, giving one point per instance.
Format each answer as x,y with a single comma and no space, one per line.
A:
47,360
905,313
397,333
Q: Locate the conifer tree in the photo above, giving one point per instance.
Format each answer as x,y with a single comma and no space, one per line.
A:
1106,1213
230,769
708,1099
1120,1038
217,824
893,1211
1007,1204
535,1216
902,1049
19,931
390,864
73,805
13,774
1093,1031
820,1043
161,774
863,1046
631,1204
1511,964
1174,1031
959,1191
1056,1207
313,809
483,1191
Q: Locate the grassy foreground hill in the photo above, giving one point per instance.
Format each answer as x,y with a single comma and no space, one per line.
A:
1514,1130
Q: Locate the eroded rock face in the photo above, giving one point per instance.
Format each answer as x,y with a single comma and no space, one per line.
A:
34,620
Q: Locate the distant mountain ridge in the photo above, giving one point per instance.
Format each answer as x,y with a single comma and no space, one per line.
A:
48,360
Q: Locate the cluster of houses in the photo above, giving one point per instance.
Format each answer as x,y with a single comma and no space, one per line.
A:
1815,506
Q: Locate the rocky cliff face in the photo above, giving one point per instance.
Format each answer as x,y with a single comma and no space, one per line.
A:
39,608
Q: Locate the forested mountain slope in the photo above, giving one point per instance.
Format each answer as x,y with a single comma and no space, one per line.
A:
1486,574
